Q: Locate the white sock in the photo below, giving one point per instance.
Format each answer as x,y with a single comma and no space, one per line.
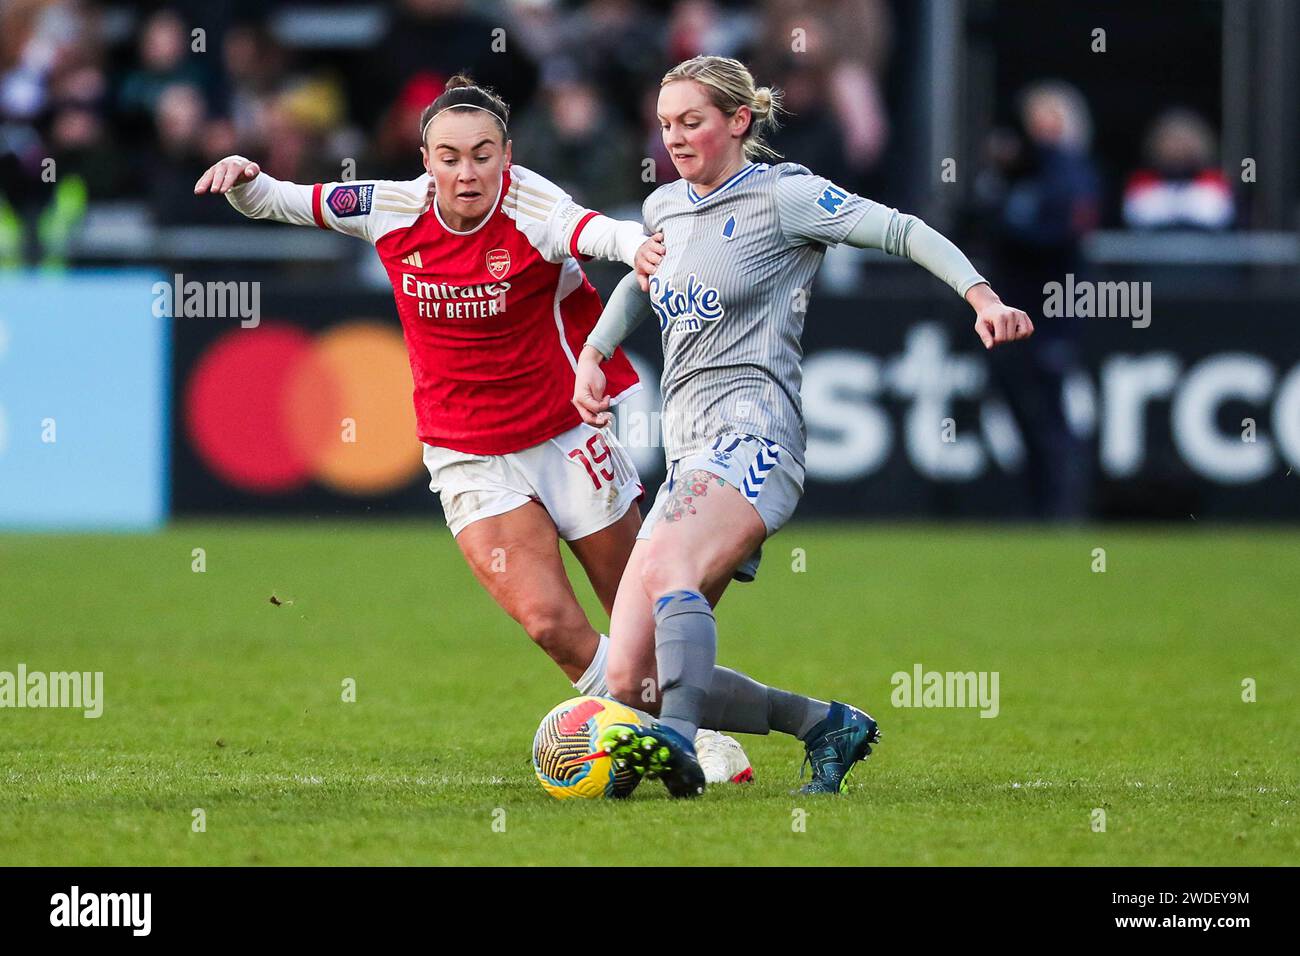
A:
592,682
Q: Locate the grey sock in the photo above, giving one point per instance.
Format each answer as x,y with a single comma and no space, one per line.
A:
737,704
794,714
686,647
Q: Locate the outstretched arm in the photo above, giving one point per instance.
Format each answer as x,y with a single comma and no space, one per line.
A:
900,234
256,194
364,209
627,308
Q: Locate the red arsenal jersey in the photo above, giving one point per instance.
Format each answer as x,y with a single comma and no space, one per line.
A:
494,317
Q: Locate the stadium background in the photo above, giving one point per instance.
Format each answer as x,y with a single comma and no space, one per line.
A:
292,644
110,111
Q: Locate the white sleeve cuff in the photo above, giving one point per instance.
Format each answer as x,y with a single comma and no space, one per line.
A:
613,239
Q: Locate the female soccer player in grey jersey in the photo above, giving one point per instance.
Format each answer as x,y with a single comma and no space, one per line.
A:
744,241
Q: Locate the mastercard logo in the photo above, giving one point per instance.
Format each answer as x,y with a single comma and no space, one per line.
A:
273,408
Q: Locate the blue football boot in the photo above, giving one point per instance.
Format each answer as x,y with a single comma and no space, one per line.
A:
655,751
833,746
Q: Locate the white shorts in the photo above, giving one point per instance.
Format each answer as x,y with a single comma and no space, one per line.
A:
583,478
761,470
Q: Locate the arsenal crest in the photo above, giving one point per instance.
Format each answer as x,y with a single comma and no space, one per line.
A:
498,263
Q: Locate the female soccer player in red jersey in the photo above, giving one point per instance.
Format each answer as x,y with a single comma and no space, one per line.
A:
483,258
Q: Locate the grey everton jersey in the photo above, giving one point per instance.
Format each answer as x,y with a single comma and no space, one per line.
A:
731,295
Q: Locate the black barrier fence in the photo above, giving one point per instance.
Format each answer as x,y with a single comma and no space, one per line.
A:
1186,408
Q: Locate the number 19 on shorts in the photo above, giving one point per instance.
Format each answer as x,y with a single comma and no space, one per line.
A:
595,457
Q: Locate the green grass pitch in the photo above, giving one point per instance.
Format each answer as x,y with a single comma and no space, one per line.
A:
1119,690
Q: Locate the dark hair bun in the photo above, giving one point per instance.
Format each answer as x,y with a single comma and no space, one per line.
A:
459,81
461,90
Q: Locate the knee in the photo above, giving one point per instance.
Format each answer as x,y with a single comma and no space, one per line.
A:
556,631
662,572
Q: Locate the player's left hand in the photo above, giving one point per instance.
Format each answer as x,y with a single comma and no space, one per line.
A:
589,396
997,324
648,257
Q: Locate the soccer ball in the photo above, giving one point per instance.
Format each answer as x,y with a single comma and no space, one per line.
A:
569,731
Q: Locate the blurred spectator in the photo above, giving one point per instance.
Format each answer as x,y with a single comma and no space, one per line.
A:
1044,194
40,41
621,48
845,45
395,152
255,67
86,164
700,26
164,62
445,36
572,138
180,116
1182,188
78,133
809,134
51,92
540,25
425,43
306,132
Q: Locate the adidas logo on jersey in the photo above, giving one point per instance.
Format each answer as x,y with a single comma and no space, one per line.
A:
413,260
688,310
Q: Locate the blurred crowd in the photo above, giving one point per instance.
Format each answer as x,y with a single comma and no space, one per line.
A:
133,101
1039,194
101,102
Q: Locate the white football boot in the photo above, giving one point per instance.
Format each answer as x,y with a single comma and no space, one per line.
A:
722,758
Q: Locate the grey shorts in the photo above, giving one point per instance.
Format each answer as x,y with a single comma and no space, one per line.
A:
764,472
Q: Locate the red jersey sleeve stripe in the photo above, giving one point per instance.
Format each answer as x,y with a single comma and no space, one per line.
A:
316,210
577,231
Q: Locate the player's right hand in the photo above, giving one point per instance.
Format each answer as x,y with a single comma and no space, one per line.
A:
225,174
648,257
589,396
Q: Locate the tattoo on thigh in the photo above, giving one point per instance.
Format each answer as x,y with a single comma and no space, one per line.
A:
688,487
